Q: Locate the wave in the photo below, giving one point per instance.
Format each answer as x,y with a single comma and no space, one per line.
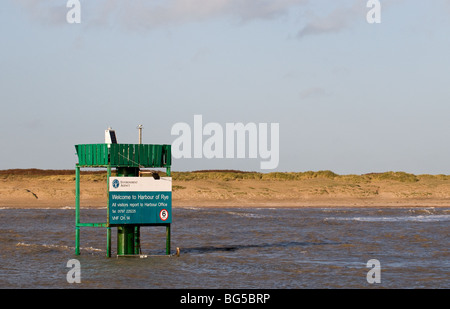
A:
246,214
191,208
51,208
63,247
421,218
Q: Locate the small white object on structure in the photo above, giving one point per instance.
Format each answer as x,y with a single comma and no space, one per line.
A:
110,136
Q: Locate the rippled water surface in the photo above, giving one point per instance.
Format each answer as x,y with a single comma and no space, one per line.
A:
234,248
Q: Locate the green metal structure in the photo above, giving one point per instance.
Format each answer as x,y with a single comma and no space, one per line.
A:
127,160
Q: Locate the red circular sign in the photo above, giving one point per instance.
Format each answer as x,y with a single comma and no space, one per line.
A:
164,214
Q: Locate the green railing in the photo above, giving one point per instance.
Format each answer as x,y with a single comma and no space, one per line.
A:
124,155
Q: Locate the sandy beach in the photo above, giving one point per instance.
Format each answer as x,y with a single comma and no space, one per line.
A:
56,189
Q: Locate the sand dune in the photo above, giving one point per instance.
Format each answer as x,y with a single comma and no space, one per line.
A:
56,189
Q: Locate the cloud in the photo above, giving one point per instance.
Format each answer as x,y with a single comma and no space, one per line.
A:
313,92
342,17
49,12
145,15
337,20
150,14
142,14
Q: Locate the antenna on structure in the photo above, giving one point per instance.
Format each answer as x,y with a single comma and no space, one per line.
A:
139,127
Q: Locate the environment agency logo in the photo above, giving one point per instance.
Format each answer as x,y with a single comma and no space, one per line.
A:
115,183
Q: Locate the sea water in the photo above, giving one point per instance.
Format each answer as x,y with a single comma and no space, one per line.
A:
234,248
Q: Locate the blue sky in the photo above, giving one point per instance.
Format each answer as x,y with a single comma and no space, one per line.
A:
349,96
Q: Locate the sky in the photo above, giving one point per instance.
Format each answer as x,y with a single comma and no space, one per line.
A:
349,96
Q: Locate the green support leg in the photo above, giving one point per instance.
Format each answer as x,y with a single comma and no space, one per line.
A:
168,239
77,240
125,240
137,240
108,242
127,244
77,210
168,172
108,229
